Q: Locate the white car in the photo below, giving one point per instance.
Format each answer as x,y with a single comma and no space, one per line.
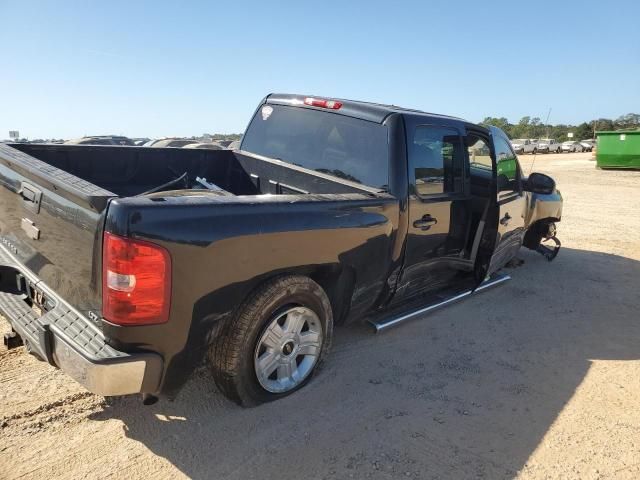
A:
571,147
204,146
548,145
523,145
588,145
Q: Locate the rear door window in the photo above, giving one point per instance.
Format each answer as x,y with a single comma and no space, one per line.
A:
479,154
334,144
436,159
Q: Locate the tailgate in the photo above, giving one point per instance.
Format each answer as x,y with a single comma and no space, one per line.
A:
51,222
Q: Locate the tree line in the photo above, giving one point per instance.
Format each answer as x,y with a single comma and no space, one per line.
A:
529,127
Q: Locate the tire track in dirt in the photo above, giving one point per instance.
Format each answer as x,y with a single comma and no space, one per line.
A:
34,396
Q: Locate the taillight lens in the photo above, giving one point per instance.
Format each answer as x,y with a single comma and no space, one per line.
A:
136,281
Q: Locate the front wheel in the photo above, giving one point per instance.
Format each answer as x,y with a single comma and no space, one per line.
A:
275,343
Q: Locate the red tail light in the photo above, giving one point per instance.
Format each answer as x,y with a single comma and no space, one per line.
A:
136,281
322,103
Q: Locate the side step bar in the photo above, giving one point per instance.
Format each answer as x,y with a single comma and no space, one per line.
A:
384,324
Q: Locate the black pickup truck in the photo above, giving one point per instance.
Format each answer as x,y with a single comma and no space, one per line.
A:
127,267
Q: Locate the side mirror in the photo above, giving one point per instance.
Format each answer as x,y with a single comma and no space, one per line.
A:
540,183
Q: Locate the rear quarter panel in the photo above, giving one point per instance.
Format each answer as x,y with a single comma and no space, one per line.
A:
224,248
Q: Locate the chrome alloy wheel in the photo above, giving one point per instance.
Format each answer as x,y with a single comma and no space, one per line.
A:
288,349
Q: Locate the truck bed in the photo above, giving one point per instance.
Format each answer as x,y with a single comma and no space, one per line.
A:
55,197
130,171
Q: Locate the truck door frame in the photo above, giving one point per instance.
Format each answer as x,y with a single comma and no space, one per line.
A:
504,220
419,260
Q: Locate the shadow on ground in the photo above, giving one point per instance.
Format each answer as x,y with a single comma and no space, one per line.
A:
466,392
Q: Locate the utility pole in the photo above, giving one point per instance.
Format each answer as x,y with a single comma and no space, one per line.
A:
547,121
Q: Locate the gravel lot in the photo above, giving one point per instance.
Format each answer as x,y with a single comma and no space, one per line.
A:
539,378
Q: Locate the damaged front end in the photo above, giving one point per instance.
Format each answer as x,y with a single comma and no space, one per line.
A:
542,238
544,209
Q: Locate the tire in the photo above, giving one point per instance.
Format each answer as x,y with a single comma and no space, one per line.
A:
234,355
534,151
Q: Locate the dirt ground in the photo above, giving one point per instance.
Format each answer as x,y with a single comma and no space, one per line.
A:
539,378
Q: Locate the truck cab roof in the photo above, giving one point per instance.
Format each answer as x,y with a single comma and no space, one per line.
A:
372,112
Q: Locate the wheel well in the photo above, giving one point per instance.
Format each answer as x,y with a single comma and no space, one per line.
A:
336,280
213,310
536,232
338,284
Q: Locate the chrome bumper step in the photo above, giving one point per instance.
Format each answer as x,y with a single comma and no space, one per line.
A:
67,339
382,324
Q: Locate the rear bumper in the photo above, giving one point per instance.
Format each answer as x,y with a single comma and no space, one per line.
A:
70,341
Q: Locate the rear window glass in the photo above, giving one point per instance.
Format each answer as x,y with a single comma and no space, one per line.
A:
330,143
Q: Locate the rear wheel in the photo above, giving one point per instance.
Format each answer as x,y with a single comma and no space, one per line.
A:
275,343
288,349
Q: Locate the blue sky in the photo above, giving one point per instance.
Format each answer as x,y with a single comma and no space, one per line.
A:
182,68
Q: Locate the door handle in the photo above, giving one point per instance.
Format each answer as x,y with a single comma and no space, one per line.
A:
425,222
505,220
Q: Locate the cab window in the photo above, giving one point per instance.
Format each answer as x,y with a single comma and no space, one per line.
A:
436,161
344,147
479,153
508,167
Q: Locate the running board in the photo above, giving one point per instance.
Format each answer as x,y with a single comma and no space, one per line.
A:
384,324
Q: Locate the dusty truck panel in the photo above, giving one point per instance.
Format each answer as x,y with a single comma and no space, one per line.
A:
214,250
618,149
64,214
129,266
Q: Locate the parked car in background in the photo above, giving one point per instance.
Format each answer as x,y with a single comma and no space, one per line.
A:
571,146
208,146
523,145
548,145
518,145
169,142
101,140
587,145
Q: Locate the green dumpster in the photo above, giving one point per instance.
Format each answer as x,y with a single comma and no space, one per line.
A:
618,149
